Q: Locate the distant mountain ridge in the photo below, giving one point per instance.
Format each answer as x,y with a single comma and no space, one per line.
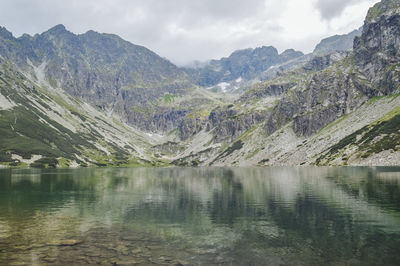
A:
262,63
245,64
337,43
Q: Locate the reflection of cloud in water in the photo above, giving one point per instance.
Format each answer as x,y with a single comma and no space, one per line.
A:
281,182
250,187
32,176
241,209
389,176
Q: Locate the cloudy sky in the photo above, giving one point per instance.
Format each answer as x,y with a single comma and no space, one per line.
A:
187,30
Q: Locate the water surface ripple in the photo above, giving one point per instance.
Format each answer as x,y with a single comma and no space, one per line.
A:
201,216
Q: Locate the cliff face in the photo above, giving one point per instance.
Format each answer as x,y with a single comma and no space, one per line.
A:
377,51
316,101
228,124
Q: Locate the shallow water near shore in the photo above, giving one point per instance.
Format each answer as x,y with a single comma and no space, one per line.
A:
201,216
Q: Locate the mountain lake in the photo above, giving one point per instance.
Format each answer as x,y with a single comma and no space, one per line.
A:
200,216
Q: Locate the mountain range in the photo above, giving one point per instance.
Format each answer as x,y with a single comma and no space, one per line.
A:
244,68
70,100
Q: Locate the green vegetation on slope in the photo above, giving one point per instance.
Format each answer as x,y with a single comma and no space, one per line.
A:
380,136
28,128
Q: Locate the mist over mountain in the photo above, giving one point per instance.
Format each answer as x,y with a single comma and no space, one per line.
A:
242,64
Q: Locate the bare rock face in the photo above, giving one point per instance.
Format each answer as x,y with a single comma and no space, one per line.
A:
377,51
274,90
319,63
188,127
228,124
316,102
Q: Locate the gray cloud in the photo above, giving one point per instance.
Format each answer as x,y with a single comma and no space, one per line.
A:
181,30
330,9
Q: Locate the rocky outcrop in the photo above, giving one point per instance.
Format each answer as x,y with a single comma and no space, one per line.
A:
169,147
316,102
224,123
188,127
270,90
228,124
377,51
337,45
319,63
162,119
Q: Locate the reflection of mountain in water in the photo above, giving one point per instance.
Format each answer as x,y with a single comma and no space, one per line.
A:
311,215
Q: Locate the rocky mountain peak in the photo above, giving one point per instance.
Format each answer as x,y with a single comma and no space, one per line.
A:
25,36
377,50
90,32
60,28
265,51
59,34
290,51
246,51
384,8
4,33
290,54
337,43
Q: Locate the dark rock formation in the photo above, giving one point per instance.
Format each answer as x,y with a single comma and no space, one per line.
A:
228,124
265,91
377,51
319,63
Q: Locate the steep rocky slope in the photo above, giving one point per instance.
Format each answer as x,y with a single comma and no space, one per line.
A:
45,127
377,51
300,104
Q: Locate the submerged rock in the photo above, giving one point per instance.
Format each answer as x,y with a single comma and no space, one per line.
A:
69,242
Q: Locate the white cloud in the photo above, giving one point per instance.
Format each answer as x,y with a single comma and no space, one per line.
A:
185,30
